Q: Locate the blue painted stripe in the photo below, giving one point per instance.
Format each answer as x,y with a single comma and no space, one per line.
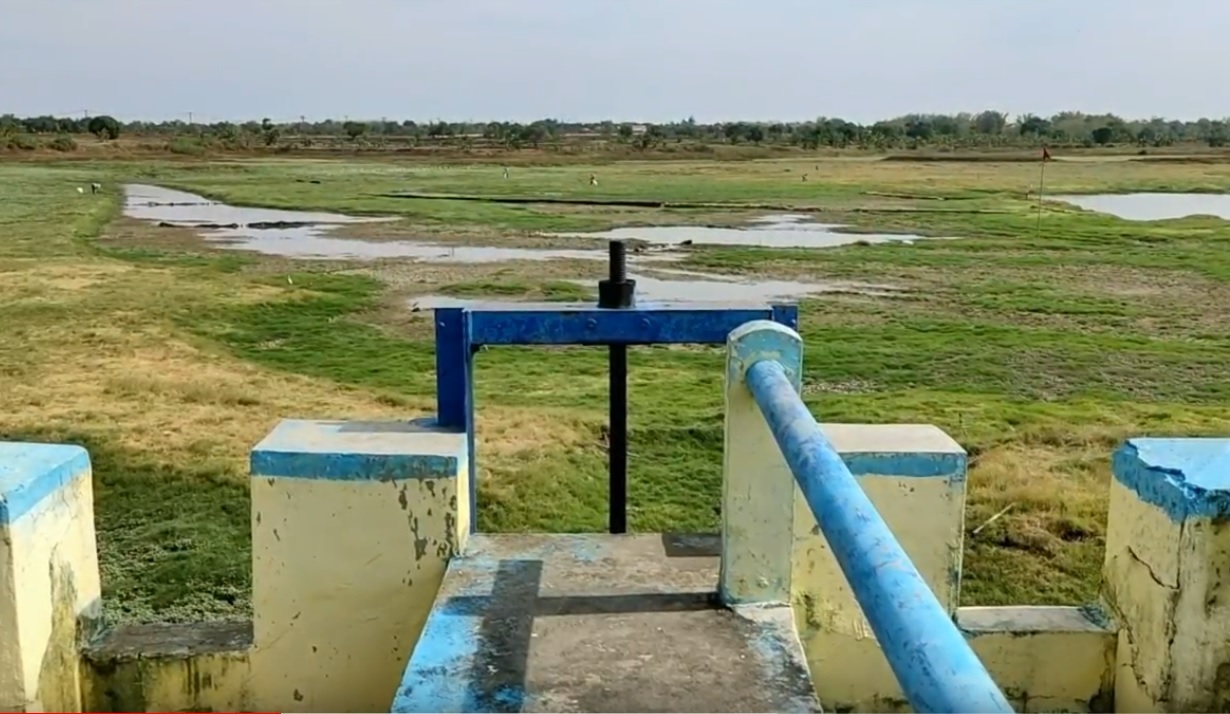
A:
588,325
440,674
358,451
351,466
930,657
1185,478
31,472
944,465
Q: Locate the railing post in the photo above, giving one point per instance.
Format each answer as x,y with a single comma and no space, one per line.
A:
757,486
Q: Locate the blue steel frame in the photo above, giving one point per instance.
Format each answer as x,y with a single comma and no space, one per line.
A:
460,331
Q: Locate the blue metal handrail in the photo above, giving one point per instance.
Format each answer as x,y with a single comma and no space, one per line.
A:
933,663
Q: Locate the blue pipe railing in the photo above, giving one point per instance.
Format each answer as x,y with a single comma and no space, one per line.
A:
930,657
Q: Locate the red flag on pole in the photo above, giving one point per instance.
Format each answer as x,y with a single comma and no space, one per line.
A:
1046,154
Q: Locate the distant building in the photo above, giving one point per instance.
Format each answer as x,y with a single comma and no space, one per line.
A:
638,129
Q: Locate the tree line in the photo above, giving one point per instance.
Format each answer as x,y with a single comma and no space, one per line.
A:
987,129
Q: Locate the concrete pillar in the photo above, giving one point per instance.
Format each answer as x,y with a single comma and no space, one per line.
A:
1167,574
914,474
757,487
353,524
49,584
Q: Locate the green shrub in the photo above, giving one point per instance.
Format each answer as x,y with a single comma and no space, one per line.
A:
187,147
23,142
63,142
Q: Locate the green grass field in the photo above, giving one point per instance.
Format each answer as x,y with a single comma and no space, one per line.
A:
1037,345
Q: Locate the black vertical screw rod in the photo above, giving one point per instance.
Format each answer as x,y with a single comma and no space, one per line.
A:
617,292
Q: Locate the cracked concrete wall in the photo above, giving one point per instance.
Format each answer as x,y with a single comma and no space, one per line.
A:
1166,574
353,525
49,580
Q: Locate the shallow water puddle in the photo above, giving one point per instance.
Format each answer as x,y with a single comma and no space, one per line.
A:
779,231
155,203
1153,206
696,287
304,234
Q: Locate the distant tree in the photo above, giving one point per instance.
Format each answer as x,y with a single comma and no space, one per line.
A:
919,129
809,137
755,133
104,127
534,134
625,132
1102,135
735,131
1030,125
42,125
269,132
1217,134
354,129
990,122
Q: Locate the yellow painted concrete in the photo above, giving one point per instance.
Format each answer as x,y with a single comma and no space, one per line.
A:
169,667
757,485
203,682
344,574
1046,659
1049,671
49,589
1167,583
927,517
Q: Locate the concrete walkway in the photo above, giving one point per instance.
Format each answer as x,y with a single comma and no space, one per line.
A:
599,623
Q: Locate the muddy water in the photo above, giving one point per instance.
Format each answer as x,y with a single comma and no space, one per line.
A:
1153,206
780,231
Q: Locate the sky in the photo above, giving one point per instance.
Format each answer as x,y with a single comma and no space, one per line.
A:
625,60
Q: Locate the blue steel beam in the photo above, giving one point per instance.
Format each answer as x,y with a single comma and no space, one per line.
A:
661,324
932,661
461,331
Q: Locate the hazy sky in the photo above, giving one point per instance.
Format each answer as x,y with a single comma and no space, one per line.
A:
650,60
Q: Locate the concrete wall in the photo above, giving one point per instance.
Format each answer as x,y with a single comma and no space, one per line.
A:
1167,574
353,525
160,668
1044,659
49,585
914,474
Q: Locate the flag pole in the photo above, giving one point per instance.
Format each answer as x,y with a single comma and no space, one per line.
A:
1046,156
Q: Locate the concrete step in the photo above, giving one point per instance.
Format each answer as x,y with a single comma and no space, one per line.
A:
599,623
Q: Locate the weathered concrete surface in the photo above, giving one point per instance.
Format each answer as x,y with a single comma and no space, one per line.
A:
169,667
598,623
353,525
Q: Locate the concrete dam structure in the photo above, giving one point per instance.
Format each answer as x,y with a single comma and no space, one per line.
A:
833,584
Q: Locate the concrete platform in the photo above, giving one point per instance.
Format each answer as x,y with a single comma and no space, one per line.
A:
599,623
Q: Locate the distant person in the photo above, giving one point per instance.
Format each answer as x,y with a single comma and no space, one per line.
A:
505,172
593,180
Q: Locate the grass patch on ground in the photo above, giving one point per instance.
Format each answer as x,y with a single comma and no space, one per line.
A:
1039,352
